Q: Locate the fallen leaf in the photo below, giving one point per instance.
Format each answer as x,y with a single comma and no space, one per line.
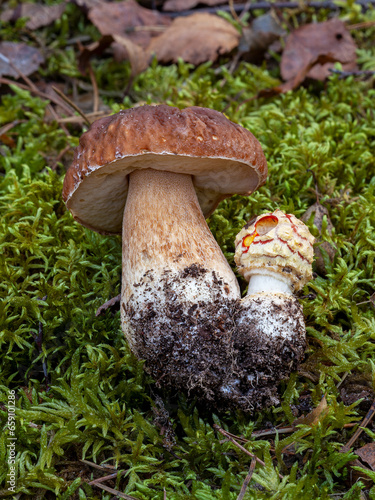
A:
319,212
39,15
357,471
306,44
179,5
92,50
138,57
311,419
256,39
367,454
19,56
293,83
314,416
195,39
128,19
124,48
7,140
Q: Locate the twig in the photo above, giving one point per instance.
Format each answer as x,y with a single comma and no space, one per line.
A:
71,104
327,4
97,466
345,74
79,119
287,430
55,117
8,126
232,440
7,81
60,156
234,13
271,432
115,492
247,480
358,432
38,338
95,89
111,303
32,87
364,25
342,380
105,478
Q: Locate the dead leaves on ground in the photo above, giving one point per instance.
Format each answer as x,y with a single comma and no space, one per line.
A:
196,39
306,45
128,19
137,34
19,58
38,15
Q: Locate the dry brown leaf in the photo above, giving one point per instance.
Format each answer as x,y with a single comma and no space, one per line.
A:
306,44
124,48
293,83
367,454
315,415
356,475
179,5
128,19
195,39
138,57
23,57
39,15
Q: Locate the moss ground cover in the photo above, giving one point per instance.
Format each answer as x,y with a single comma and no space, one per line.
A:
100,406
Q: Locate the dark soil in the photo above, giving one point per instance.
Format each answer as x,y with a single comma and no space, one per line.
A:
217,350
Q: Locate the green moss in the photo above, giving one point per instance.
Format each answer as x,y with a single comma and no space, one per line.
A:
55,274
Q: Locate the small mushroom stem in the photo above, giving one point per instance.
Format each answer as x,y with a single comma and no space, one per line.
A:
170,257
269,282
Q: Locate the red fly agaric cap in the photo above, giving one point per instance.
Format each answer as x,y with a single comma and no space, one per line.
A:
222,157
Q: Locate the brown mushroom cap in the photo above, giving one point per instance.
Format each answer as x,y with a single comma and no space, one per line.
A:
222,157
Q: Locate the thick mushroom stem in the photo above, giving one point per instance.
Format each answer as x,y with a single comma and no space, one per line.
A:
171,262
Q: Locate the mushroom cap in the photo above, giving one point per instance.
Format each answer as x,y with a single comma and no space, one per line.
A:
276,243
222,157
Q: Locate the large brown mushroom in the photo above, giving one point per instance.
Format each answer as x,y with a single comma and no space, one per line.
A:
154,173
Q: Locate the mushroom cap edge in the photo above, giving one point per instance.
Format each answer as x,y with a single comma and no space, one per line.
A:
223,158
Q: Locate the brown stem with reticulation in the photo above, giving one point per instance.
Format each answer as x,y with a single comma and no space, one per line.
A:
165,233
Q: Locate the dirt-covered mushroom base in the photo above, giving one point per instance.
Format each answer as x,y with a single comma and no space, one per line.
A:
230,353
